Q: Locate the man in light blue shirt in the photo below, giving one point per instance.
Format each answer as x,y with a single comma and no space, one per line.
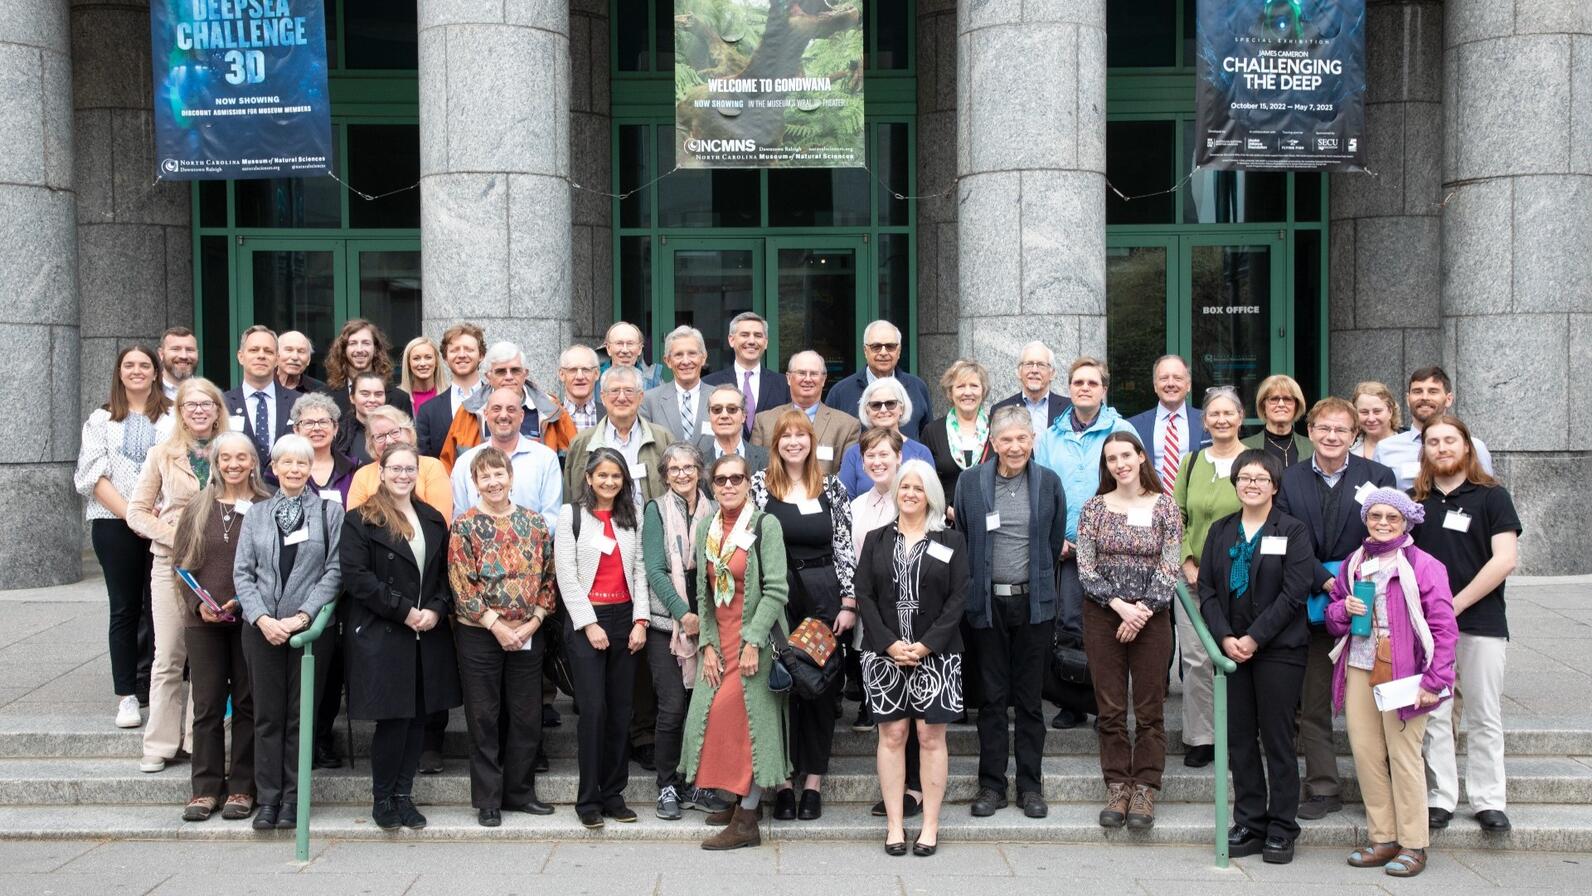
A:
538,484
1430,395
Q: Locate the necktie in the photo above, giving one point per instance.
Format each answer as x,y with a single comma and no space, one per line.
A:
687,418
751,400
262,425
1171,447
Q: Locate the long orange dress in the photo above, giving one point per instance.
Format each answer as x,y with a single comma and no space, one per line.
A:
726,762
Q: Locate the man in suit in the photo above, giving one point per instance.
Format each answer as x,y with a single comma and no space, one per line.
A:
293,353
881,343
462,346
681,406
1036,368
1325,494
836,431
727,413
1172,429
760,387
258,407
179,356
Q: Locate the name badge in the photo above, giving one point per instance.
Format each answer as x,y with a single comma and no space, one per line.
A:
744,539
1410,470
809,507
638,471
1274,545
940,552
606,544
992,521
236,422
1363,492
298,537
1223,465
1143,517
1370,565
826,453
333,496
242,507
1457,521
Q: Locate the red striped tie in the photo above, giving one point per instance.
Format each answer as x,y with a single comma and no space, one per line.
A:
1170,455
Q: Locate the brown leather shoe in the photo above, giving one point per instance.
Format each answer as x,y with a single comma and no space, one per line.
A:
1141,808
741,831
722,817
199,808
1115,813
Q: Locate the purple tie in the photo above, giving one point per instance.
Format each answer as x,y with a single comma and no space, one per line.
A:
751,400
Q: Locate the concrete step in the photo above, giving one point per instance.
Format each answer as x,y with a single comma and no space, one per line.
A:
1557,828
89,782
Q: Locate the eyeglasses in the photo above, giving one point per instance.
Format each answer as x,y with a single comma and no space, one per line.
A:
1278,399
729,480
622,392
888,404
318,423
724,409
1384,517
586,370
882,346
1254,480
807,374
198,405
506,371
1332,430
1034,365
677,472
402,471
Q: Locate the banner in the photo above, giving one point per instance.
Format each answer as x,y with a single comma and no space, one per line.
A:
240,89
1281,85
768,84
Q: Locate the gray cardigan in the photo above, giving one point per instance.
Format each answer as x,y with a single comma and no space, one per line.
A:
576,565
316,575
1047,526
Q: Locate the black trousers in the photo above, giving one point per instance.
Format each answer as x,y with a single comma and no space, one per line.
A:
670,698
1261,699
395,746
503,710
605,682
125,559
274,681
1011,666
215,656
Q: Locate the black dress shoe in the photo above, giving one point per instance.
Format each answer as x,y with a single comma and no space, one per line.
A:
1199,757
326,757
1241,841
287,818
1066,718
620,812
911,807
385,815
489,818
1437,819
785,805
1032,804
896,849
812,806
550,716
590,819
1277,851
645,756
919,848
265,819
1493,821
430,762
539,764
986,802
408,815
533,806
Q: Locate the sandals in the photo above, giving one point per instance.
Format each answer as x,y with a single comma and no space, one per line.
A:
1374,856
199,808
1408,863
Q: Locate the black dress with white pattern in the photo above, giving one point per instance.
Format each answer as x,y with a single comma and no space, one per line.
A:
931,690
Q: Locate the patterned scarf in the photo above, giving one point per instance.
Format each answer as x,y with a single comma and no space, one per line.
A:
199,461
720,548
1242,553
289,515
953,429
678,524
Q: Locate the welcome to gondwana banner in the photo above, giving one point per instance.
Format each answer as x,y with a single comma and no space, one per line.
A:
1281,84
240,89
768,83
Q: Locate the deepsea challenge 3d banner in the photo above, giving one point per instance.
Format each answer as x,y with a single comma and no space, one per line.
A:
240,89
1280,85
769,83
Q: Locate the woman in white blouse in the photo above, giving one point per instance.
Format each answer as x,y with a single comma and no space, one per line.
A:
116,440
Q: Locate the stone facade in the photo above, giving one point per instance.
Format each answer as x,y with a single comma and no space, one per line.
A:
938,283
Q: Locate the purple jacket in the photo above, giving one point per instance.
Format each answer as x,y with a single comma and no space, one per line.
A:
1437,605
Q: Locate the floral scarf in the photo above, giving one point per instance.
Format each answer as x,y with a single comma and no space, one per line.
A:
720,549
953,431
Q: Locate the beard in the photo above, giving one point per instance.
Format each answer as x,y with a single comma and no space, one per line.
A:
1450,467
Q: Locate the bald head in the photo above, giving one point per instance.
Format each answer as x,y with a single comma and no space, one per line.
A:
881,345
805,373
504,412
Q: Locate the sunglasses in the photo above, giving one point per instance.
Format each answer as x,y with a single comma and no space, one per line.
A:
724,409
732,480
882,346
888,404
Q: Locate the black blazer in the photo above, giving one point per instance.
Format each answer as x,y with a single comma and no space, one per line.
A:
383,584
938,441
942,592
238,406
307,384
1300,498
772,390
433,421
1272,611
1058,405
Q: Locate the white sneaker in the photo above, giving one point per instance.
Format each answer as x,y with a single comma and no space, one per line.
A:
127,714
151,764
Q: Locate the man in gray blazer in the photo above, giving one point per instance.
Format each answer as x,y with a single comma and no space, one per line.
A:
681,406
727,416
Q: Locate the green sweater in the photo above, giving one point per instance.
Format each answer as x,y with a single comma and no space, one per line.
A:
1204,498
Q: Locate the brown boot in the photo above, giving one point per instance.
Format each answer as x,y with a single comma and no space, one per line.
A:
1115,813
741,831
722,817
1141,808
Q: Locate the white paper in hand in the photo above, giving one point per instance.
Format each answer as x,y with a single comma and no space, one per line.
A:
1399,693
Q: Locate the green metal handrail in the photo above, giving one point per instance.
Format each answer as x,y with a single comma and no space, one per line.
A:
1224,667
306,640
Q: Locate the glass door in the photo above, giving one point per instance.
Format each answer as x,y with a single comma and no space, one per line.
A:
384,283
706,282
819,285
292,285
1141,301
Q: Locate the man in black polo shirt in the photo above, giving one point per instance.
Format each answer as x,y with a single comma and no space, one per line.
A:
1471,526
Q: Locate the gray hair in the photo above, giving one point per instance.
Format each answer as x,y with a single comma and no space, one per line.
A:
308,343
293,445
1227,392
683,451
1008,417
885,384
620,372
726,387
884,323
502,351
684,332
564,359
931,488
1050,354
314,401
1156,367
745,316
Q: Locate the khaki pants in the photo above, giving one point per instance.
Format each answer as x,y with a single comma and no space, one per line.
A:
170,725
1387,760
1479,664
1199,688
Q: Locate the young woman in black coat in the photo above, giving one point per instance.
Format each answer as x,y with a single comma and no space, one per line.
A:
400,657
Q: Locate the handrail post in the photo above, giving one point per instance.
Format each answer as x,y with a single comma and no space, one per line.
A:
1223,667
306,640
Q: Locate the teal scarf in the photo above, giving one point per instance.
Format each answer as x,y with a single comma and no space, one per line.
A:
1242,553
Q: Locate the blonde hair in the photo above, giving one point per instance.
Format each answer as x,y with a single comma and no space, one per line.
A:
395,417
181,442
962,367
1287,385
406,379
1378,390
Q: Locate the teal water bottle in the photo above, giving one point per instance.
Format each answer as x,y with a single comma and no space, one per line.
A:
1360,626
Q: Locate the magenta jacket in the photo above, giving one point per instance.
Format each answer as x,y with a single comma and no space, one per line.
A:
1437,604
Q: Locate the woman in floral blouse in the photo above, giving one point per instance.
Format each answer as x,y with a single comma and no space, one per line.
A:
1129,539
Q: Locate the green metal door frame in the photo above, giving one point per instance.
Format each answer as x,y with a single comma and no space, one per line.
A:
663,298
1281,299
864,305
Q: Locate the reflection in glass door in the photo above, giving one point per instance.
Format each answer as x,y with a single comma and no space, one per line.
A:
1230,315
818,285
290,285
712,282
1139,303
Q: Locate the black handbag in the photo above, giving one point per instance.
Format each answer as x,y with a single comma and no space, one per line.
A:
809,680
1068,661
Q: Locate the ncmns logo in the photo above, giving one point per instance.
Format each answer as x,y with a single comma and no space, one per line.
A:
696,145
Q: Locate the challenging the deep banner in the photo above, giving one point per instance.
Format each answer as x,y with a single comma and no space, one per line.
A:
240,89
768,83
1281,84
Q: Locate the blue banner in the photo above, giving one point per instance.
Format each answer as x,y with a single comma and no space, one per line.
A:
240,89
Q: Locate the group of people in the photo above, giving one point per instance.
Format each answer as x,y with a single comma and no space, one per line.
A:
670,550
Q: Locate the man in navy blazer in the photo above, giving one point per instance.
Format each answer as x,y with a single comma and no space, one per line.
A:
881,345
749,340
1036,368
259,395
1325,494
1172,382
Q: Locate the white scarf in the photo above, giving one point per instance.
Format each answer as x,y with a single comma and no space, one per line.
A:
1408,586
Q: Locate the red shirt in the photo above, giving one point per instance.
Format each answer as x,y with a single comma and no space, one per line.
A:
609,585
